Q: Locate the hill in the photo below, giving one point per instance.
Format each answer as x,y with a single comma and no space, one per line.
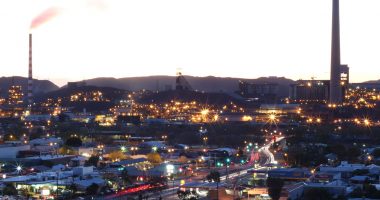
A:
40,86
372,82
212,98
109,97
206,84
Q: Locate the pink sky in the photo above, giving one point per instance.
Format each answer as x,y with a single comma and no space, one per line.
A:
246,38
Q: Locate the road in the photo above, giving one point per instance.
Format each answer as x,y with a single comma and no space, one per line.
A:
269,159
269,155
240,171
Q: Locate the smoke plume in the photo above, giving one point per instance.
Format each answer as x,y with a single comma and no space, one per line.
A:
45,16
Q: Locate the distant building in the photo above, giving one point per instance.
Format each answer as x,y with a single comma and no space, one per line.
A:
310,91
182,83
11,151
266,92
297,174
15,95
279,108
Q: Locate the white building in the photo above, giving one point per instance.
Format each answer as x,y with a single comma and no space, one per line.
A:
12,150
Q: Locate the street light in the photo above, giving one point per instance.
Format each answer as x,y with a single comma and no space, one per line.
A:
134,149
18,168
164,137
154,149
205,140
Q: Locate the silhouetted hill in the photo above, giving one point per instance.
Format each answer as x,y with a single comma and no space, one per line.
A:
207,84
109,96
212,98
64,92
372,82
40,86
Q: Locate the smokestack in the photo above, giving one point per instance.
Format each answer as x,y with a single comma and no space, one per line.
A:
335,85
30,74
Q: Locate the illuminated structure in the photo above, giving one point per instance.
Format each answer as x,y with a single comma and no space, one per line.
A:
316,91
263,92
15,95
94,96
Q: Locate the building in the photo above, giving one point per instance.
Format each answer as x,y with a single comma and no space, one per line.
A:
310,91
15,95
262,92
182,83
290,174
11,151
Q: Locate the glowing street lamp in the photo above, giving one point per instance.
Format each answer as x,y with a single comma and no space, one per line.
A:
272,117
18,168
205,140
367,122
205,112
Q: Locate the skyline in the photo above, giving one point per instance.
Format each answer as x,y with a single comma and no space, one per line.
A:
217,42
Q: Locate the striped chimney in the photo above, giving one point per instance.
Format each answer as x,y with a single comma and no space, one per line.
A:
30,74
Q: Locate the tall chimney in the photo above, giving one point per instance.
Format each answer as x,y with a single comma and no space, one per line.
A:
335,85
30,74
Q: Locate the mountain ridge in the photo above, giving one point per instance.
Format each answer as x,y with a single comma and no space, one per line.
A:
40,86
206,84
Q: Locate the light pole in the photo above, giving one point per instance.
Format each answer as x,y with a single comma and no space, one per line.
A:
128,137
228,160
57,184
164,137
205,141
134,149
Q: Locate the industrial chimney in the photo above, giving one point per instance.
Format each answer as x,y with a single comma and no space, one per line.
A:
335,84
30,74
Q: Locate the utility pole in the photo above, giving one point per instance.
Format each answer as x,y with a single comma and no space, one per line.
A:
57,184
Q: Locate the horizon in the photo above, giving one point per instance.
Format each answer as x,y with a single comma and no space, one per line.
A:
225,39
147,76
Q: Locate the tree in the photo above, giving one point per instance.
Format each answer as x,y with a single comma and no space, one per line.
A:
73,188
154,158
66,150
214,176
36,133
92,161
360,172
376,153
316,194
370,191
340,150
10,137
125,177
183,159
63,117
74,142
357,193
92,189
353,153
117,155
9,189
24,192
274,187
